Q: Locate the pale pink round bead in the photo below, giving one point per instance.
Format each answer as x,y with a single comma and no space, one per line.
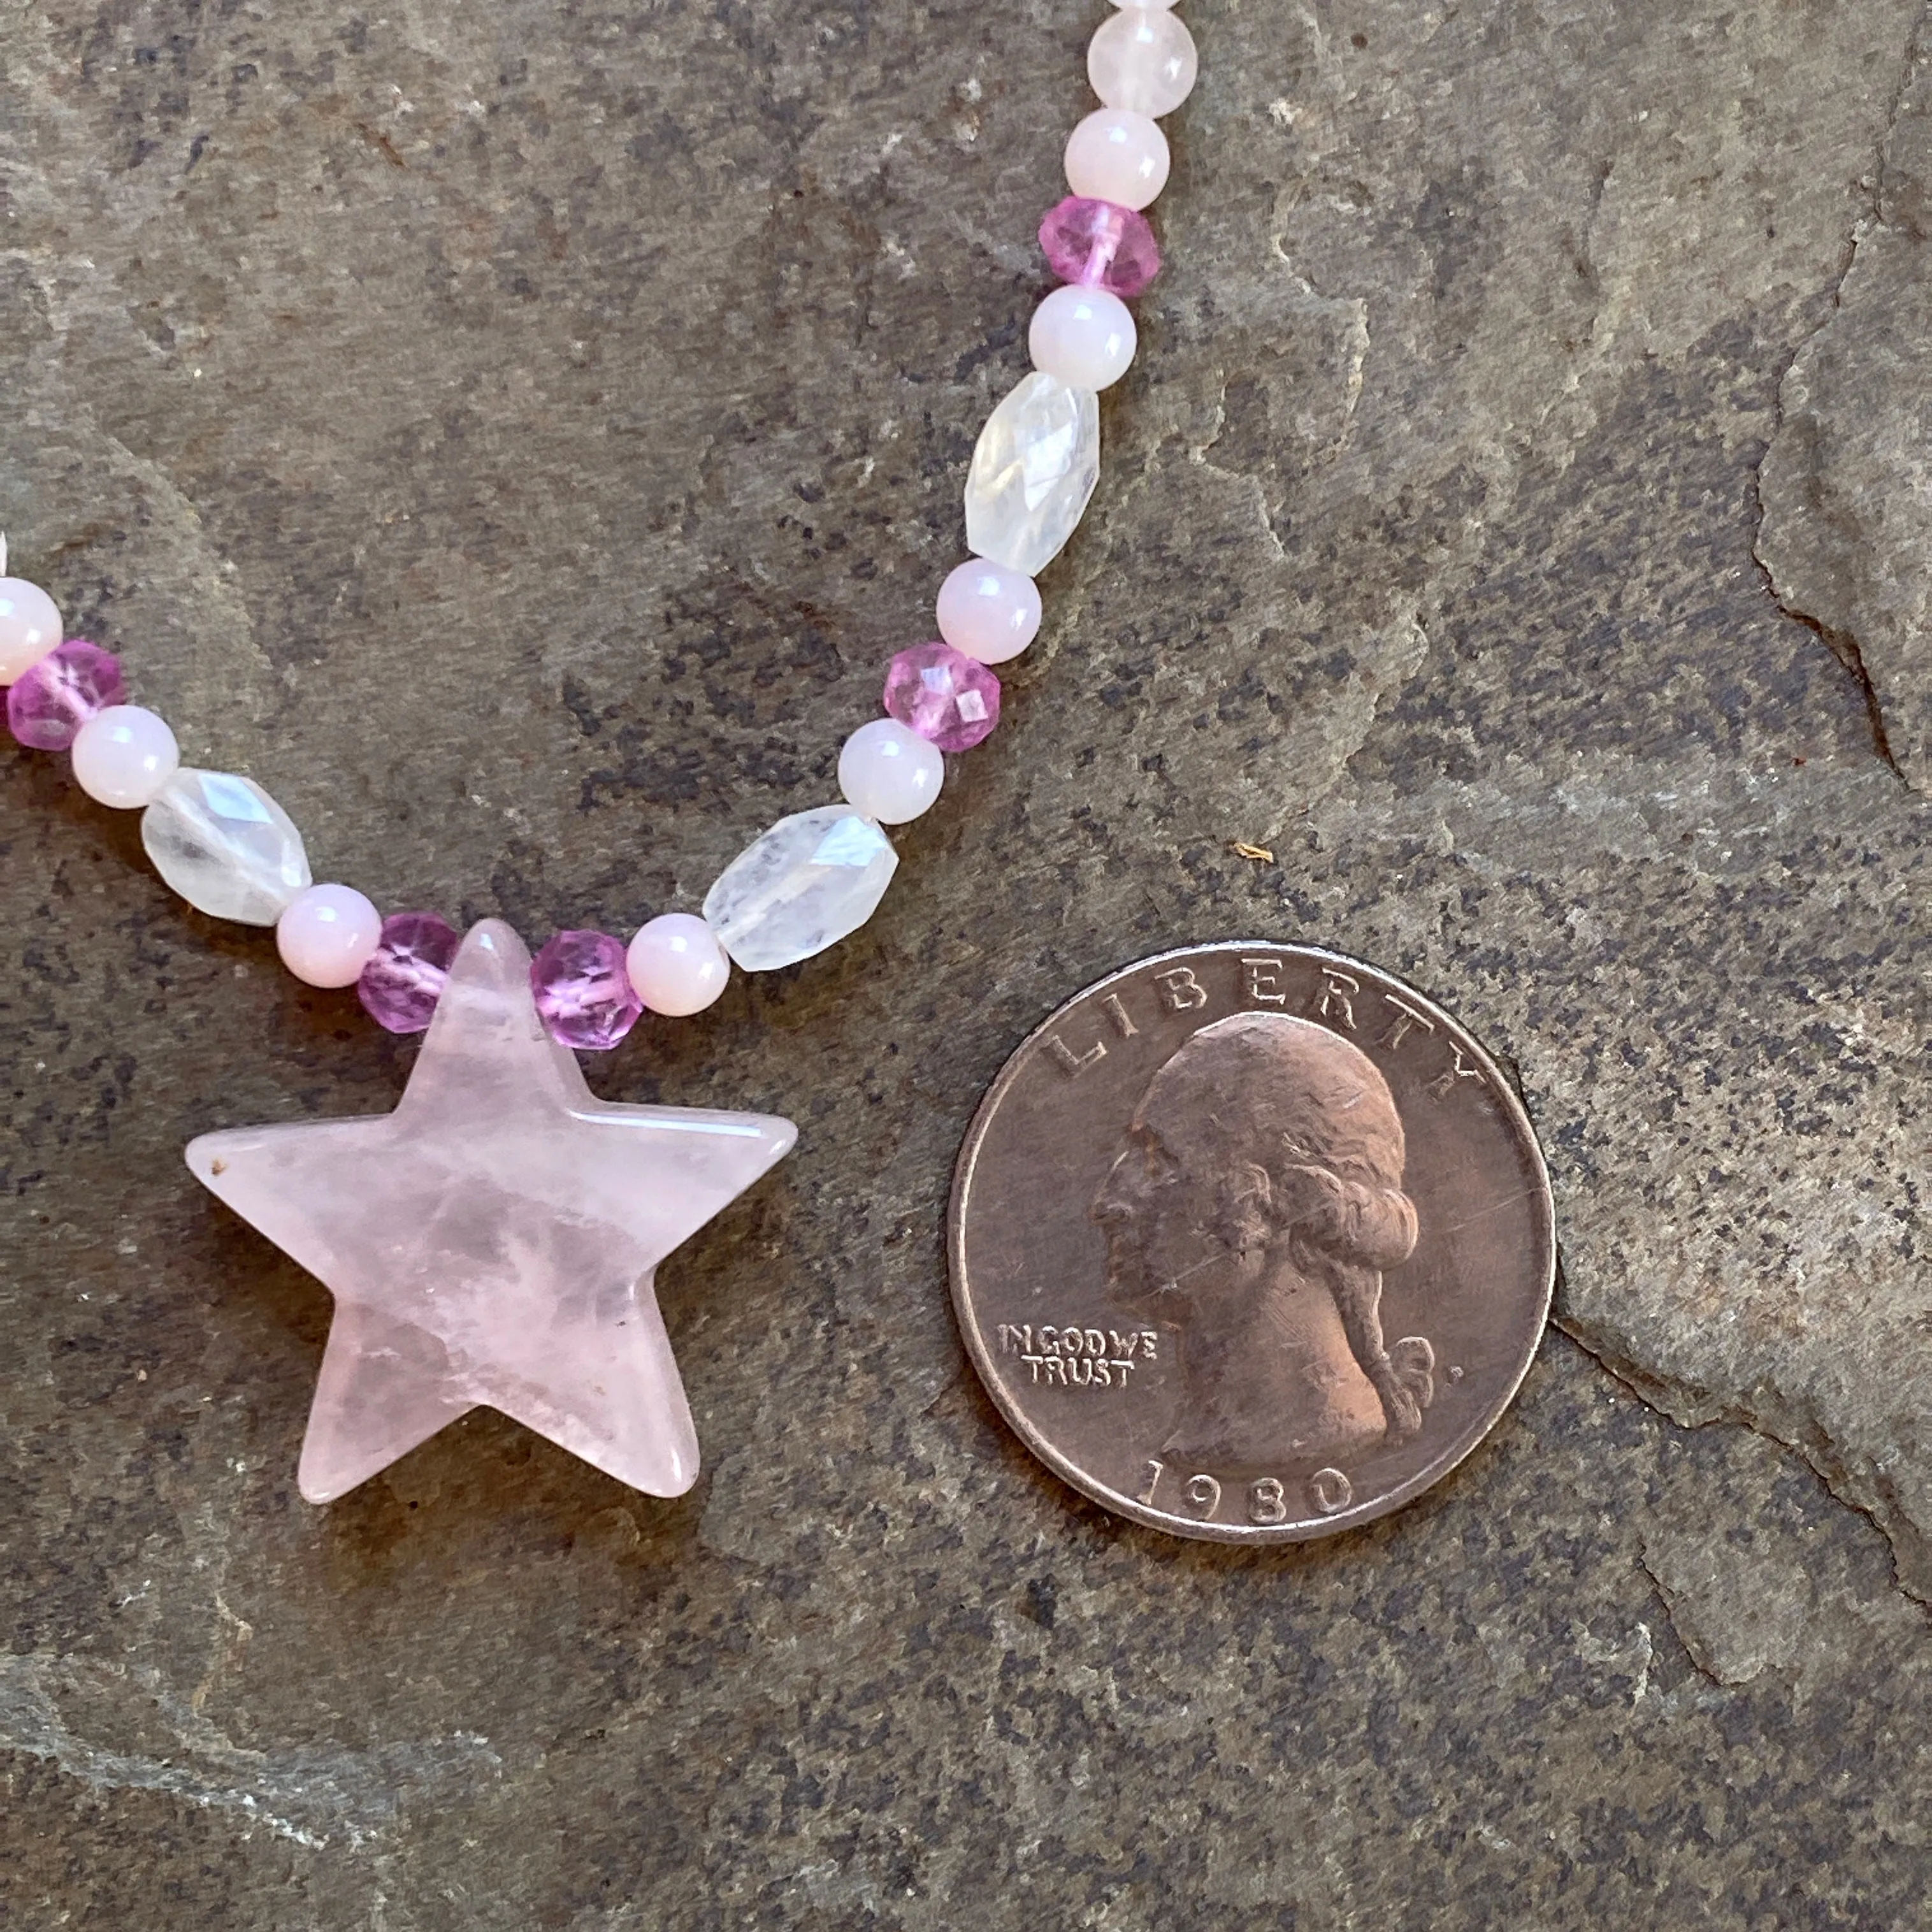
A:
1084,336
1116,157
30,626
124,755
677,965
987,611
889,772
327,935
1142,59
1144,3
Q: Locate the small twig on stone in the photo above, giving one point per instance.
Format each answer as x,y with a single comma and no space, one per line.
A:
1242,849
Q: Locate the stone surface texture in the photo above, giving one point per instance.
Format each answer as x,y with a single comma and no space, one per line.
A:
615,371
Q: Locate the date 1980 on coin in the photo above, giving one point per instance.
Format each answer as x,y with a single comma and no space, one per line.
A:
1252,1241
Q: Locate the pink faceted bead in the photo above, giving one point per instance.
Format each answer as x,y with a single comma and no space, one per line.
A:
947,697
404,980
51,699
1100,245
584,992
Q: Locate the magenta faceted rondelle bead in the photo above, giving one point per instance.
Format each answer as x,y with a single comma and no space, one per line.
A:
583,992
949,699
51,699
403,978
1099,244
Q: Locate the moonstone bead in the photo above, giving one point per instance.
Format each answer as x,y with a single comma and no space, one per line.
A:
1143,3
30,626
1099,244
1084,336
1034,471
584,993
1142,60
948,698
326,934
889,772
224,844
50,701
800,887
406,974
987,611
1112,156
676,963
124,755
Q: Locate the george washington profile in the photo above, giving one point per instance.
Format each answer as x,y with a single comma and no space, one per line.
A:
1254,1210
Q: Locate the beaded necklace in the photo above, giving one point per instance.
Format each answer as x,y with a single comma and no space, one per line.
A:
493,1240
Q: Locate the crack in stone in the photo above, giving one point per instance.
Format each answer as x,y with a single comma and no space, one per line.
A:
1800,1434
1844,646
1842,643
1671,1601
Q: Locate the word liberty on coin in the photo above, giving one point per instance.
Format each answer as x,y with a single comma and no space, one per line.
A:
1252,1242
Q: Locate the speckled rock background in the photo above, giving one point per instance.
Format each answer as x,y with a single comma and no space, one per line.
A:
517,433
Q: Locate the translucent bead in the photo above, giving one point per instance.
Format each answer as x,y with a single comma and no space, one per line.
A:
584,993
327,935
1034,471
987,611
949,699
1112,156
1099,244
1142,60
1143,3
124,755
30,626
406,974
800,887
224,844
50,701
1084,336
677,965
889,772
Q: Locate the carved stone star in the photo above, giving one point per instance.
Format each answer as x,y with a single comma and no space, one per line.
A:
493,1241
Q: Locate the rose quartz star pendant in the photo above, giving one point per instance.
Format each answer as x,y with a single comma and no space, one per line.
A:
493,1241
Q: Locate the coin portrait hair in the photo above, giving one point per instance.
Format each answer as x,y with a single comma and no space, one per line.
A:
1312,1113
1292,1152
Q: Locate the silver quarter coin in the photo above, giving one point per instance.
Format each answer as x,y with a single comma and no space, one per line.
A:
1252,1242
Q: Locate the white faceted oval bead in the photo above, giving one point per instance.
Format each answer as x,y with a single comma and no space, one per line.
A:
226,846
889,772
1084,336
1034,471
1116,156
800,887
1142,59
